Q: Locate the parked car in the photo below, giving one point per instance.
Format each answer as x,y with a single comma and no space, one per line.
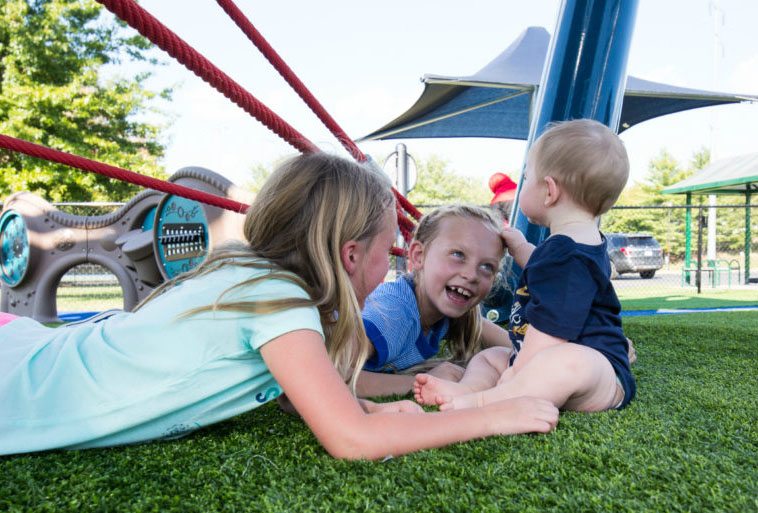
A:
634,253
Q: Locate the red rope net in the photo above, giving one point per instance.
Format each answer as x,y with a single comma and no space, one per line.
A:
162,36
68,159
147,25
300,88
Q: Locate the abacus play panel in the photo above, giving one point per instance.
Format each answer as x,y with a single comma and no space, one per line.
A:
151,238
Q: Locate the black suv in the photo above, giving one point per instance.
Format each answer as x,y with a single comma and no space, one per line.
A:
634,253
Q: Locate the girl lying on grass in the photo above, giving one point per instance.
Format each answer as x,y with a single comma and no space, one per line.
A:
455,255
279,315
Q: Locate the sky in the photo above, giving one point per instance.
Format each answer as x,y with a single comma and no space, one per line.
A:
364,61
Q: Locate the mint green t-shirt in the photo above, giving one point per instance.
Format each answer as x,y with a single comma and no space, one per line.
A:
143,375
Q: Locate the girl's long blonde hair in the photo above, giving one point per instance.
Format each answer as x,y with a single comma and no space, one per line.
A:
305,212
464,333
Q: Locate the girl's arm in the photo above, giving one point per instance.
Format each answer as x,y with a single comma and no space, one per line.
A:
368,406
299,362
494,335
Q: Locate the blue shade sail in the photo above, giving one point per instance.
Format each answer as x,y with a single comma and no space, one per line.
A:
496,101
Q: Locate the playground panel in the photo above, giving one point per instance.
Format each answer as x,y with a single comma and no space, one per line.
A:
151,238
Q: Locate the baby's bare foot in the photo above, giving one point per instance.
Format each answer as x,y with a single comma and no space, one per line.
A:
460,402
429,390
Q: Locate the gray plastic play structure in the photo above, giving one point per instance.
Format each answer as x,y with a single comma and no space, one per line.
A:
152,238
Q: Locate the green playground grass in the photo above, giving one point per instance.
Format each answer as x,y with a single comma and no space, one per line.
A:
89,299
683,298
647,297
689,442
86,299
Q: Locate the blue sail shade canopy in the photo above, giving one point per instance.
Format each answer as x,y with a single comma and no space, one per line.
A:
496,101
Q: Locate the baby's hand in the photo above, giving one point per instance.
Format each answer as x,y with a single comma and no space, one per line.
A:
404,406
512,238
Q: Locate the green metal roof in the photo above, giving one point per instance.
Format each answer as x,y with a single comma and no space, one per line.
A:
734,175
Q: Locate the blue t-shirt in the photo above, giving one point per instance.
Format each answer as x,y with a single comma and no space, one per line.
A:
566,291
143,375
393,325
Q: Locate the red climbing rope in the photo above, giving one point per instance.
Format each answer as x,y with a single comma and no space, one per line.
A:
287,74
159,34
68,159
162,36
407,205
147,25
300,88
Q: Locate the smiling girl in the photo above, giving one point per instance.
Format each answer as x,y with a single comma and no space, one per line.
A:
455,256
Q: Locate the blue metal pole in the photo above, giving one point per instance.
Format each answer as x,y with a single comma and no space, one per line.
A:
584,75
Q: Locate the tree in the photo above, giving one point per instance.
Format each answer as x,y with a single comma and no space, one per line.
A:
258,176
438,185
666,225
664,170
52,92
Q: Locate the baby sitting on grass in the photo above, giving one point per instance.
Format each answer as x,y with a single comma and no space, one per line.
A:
565,324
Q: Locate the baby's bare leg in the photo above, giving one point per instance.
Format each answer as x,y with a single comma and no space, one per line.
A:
571,376
485,368
482,372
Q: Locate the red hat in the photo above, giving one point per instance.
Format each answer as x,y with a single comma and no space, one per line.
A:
502,187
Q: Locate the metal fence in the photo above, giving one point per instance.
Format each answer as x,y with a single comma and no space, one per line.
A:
88,287
710,253
699,267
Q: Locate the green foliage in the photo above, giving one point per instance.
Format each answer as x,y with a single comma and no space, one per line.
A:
688,442
730,224
258,176
52,53
666,225
438,185
669,225
664,170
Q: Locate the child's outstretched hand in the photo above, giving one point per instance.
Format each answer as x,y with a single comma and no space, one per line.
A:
518,247
523,415
404,406
512,238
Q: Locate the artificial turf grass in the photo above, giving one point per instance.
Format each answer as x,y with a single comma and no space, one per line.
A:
687,443
683,298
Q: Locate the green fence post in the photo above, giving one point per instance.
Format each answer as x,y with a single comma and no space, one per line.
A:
748,237
687,237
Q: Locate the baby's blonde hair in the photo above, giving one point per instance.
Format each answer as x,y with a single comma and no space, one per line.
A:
305,212
586,159
464,334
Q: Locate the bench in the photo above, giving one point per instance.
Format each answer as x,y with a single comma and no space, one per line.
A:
715,271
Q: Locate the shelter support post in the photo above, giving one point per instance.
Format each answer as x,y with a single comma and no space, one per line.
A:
584,75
